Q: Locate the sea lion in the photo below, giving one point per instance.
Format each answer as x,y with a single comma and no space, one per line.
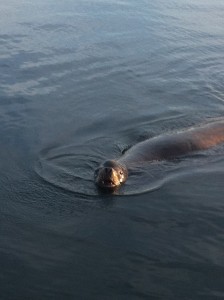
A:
112,173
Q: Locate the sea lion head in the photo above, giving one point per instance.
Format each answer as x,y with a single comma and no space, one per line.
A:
110,175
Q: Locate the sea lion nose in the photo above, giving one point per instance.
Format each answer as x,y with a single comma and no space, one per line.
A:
108,171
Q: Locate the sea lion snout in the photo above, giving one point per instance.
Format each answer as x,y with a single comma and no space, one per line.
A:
110,175
109,171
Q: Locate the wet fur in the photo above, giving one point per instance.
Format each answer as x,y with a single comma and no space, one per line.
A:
175,144
164,147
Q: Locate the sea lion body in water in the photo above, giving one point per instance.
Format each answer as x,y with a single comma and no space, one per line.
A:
113,173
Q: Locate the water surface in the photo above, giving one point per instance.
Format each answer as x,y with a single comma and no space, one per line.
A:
80,82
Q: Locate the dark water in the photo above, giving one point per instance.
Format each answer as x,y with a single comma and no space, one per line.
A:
80,81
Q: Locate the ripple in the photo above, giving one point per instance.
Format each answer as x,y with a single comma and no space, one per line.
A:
71,168
71,171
